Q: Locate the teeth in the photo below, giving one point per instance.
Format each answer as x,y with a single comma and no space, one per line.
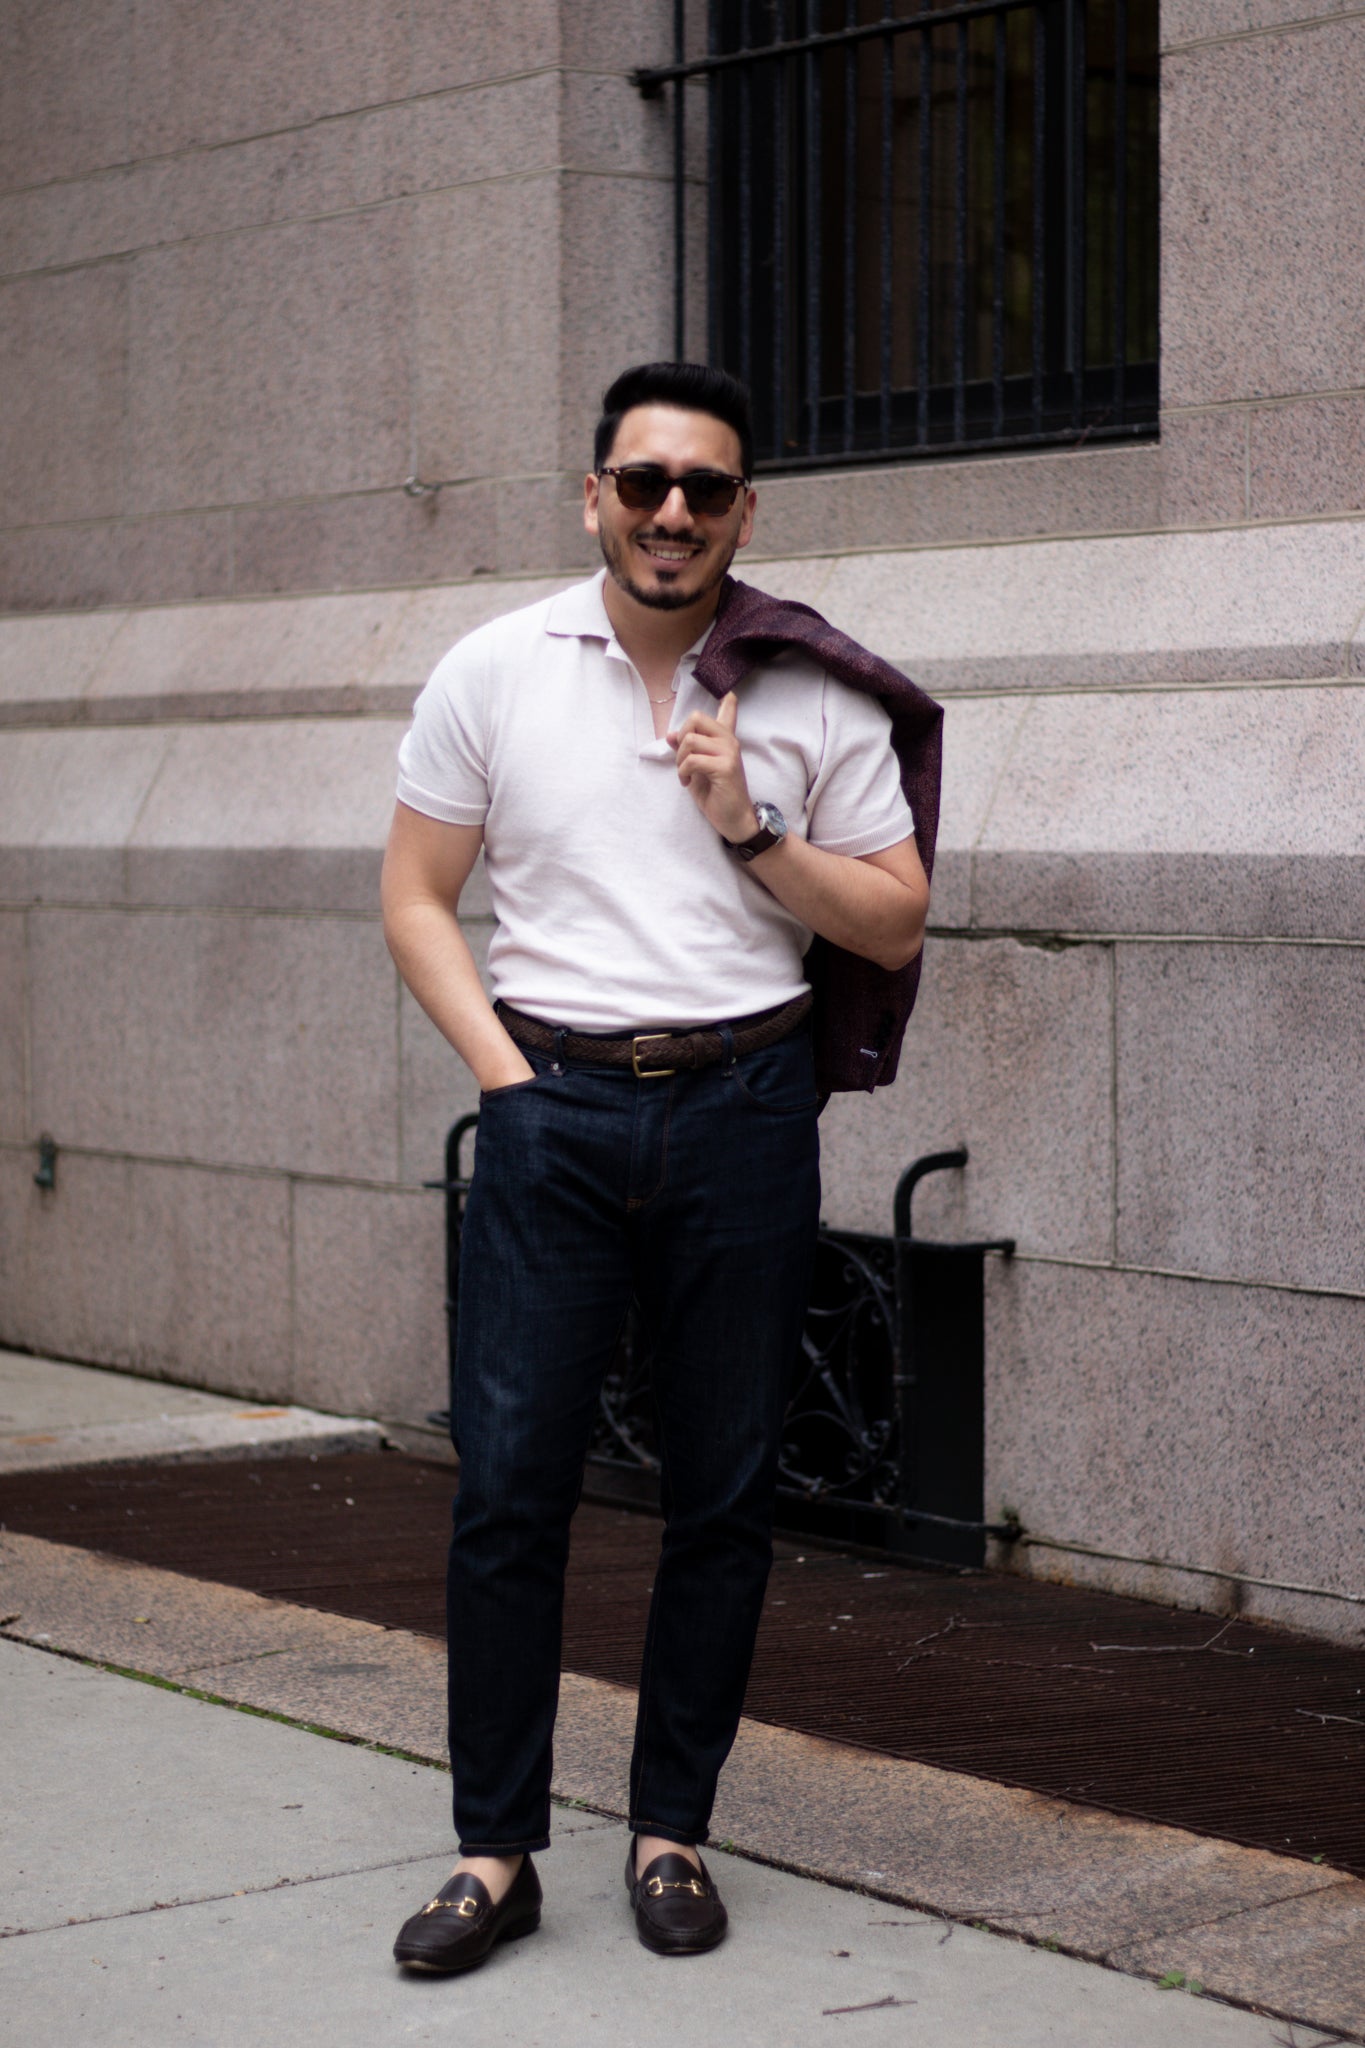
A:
671,554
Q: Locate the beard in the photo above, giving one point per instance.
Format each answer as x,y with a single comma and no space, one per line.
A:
661,597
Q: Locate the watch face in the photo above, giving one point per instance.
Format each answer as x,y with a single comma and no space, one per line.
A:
772,827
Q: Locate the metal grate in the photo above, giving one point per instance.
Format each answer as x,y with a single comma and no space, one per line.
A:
931,230
1228,1729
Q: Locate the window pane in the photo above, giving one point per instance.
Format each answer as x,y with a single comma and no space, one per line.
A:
938,236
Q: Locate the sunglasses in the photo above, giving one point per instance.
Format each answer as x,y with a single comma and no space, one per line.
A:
643,486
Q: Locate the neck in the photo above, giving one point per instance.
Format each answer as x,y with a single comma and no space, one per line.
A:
653,639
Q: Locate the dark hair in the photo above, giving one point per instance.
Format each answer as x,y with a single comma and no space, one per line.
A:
692,387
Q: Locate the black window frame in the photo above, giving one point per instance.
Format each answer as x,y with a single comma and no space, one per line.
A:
1033,344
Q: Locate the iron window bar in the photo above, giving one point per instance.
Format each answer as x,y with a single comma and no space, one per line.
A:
651,79
941,258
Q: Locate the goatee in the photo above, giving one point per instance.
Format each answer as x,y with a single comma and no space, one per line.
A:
659,597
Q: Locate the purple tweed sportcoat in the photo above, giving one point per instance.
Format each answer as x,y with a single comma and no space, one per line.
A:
861,1010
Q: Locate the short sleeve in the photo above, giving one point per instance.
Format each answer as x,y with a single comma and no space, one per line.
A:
855,804
443,760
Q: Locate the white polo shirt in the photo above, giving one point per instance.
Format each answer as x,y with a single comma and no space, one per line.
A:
618,907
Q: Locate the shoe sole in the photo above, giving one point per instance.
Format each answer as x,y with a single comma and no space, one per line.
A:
680,1948
513,1932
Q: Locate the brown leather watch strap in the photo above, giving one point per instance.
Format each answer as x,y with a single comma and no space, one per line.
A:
767,834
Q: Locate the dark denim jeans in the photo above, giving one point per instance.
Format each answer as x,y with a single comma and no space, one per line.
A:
699,1194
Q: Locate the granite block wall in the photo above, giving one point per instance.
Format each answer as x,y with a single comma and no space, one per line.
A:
259,267
1126,1405
1263,243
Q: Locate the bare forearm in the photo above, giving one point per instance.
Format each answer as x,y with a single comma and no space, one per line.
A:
874,906
433,957
853,903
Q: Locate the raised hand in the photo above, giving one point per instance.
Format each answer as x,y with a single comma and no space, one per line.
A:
711,768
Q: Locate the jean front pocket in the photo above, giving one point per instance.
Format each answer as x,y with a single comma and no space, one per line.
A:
512,1088
542,1068
779,1080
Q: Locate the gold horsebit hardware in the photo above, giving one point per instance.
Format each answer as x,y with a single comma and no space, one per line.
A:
657,1886
466,1909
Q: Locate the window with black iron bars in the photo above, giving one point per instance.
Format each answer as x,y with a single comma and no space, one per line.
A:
930,230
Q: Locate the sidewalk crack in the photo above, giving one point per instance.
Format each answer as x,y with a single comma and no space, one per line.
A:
250,1891
1233,1913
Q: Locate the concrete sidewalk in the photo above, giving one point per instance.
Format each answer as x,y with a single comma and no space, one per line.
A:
54,1416
901,1841
177,1872
147,1828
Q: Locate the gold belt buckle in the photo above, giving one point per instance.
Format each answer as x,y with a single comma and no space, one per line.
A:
648,1073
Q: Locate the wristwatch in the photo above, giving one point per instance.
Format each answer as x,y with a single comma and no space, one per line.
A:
772,828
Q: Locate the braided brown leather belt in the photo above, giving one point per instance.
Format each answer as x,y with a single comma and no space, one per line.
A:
651,1055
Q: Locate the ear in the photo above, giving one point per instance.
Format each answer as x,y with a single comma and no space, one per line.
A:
591,487
727,711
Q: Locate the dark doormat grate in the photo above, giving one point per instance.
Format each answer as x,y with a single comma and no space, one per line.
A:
1231,1729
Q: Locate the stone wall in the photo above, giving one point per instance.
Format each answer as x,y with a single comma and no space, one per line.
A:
260,264
257,268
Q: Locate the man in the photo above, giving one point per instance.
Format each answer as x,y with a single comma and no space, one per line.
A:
658,863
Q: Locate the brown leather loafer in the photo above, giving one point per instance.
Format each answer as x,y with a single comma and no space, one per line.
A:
457,1929
678,1911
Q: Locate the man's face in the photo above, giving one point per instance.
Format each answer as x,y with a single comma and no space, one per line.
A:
670,558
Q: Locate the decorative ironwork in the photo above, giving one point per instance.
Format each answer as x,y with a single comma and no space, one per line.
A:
624,1435
454,1185
840,1442
882,1441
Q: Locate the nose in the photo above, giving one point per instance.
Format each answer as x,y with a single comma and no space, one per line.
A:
673,513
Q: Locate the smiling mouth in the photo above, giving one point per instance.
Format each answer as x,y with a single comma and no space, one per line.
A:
671,554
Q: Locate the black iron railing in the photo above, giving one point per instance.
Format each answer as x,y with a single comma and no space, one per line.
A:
930,230
883,1443
884,1437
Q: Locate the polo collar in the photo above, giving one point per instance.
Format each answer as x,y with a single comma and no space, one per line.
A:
580,612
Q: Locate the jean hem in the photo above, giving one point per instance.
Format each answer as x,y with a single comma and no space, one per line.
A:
529,1848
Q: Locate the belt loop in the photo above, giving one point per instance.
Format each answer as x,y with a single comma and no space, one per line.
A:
727,1047
557,1063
